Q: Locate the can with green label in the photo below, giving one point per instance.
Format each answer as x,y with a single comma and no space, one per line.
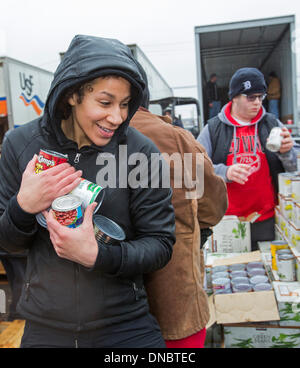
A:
89,192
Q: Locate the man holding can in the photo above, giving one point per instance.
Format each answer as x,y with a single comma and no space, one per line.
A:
236,142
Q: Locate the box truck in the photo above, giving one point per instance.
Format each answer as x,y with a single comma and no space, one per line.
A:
267,44
161,95
23,92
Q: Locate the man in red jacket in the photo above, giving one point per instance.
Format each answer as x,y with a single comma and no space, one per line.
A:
236,140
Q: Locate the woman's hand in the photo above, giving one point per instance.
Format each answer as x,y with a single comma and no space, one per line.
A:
78,245
38,191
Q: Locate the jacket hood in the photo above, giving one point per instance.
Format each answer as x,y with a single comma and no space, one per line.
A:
227,119
90,57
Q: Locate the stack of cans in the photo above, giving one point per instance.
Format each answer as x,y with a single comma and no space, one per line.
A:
240,278
69,209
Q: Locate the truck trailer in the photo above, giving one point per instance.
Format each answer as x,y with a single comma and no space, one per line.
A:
267,44
161,95
23,92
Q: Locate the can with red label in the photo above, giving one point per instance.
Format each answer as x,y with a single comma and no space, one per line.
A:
68,211
47,159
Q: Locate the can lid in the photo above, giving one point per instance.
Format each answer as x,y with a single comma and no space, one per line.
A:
258,279
66,203
109,227
285,257
53,153
279,242
262,286
221,281
283,251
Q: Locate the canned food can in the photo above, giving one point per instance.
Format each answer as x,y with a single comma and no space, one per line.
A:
218,275
89,192
240,280
47,159
241,288
216,269
237,267
259,279
235,274
275,246
221,284
286,267
67,210
107,231
252,265
262,287
256,271
274,140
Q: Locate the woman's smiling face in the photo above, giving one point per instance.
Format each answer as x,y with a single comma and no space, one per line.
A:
104,107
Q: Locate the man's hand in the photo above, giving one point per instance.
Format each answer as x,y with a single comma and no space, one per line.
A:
239,173
38,191
78,245
287,142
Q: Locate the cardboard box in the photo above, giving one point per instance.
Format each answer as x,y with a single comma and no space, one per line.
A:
261,336
245,307
288,300
298,269
285,183
232,234
286,206
296,214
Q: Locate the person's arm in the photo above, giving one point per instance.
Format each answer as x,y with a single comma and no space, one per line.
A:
17,227
204,139
288,154
214,202
153,217
23,195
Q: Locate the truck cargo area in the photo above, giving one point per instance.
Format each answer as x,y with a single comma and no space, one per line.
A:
266,44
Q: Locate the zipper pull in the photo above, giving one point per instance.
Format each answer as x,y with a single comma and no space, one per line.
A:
77,158
135,291
27,291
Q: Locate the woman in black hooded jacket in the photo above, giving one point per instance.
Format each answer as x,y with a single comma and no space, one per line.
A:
78,292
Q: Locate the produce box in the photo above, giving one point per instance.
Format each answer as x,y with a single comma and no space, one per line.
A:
286,206
261,336
232,235
288,300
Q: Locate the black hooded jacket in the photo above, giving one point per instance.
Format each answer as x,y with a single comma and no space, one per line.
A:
58,292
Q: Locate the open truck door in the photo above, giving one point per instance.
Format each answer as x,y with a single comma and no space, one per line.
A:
266,44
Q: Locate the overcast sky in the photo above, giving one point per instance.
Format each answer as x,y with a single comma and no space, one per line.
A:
35,31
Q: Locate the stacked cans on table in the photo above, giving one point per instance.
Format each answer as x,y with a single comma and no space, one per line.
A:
240,278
